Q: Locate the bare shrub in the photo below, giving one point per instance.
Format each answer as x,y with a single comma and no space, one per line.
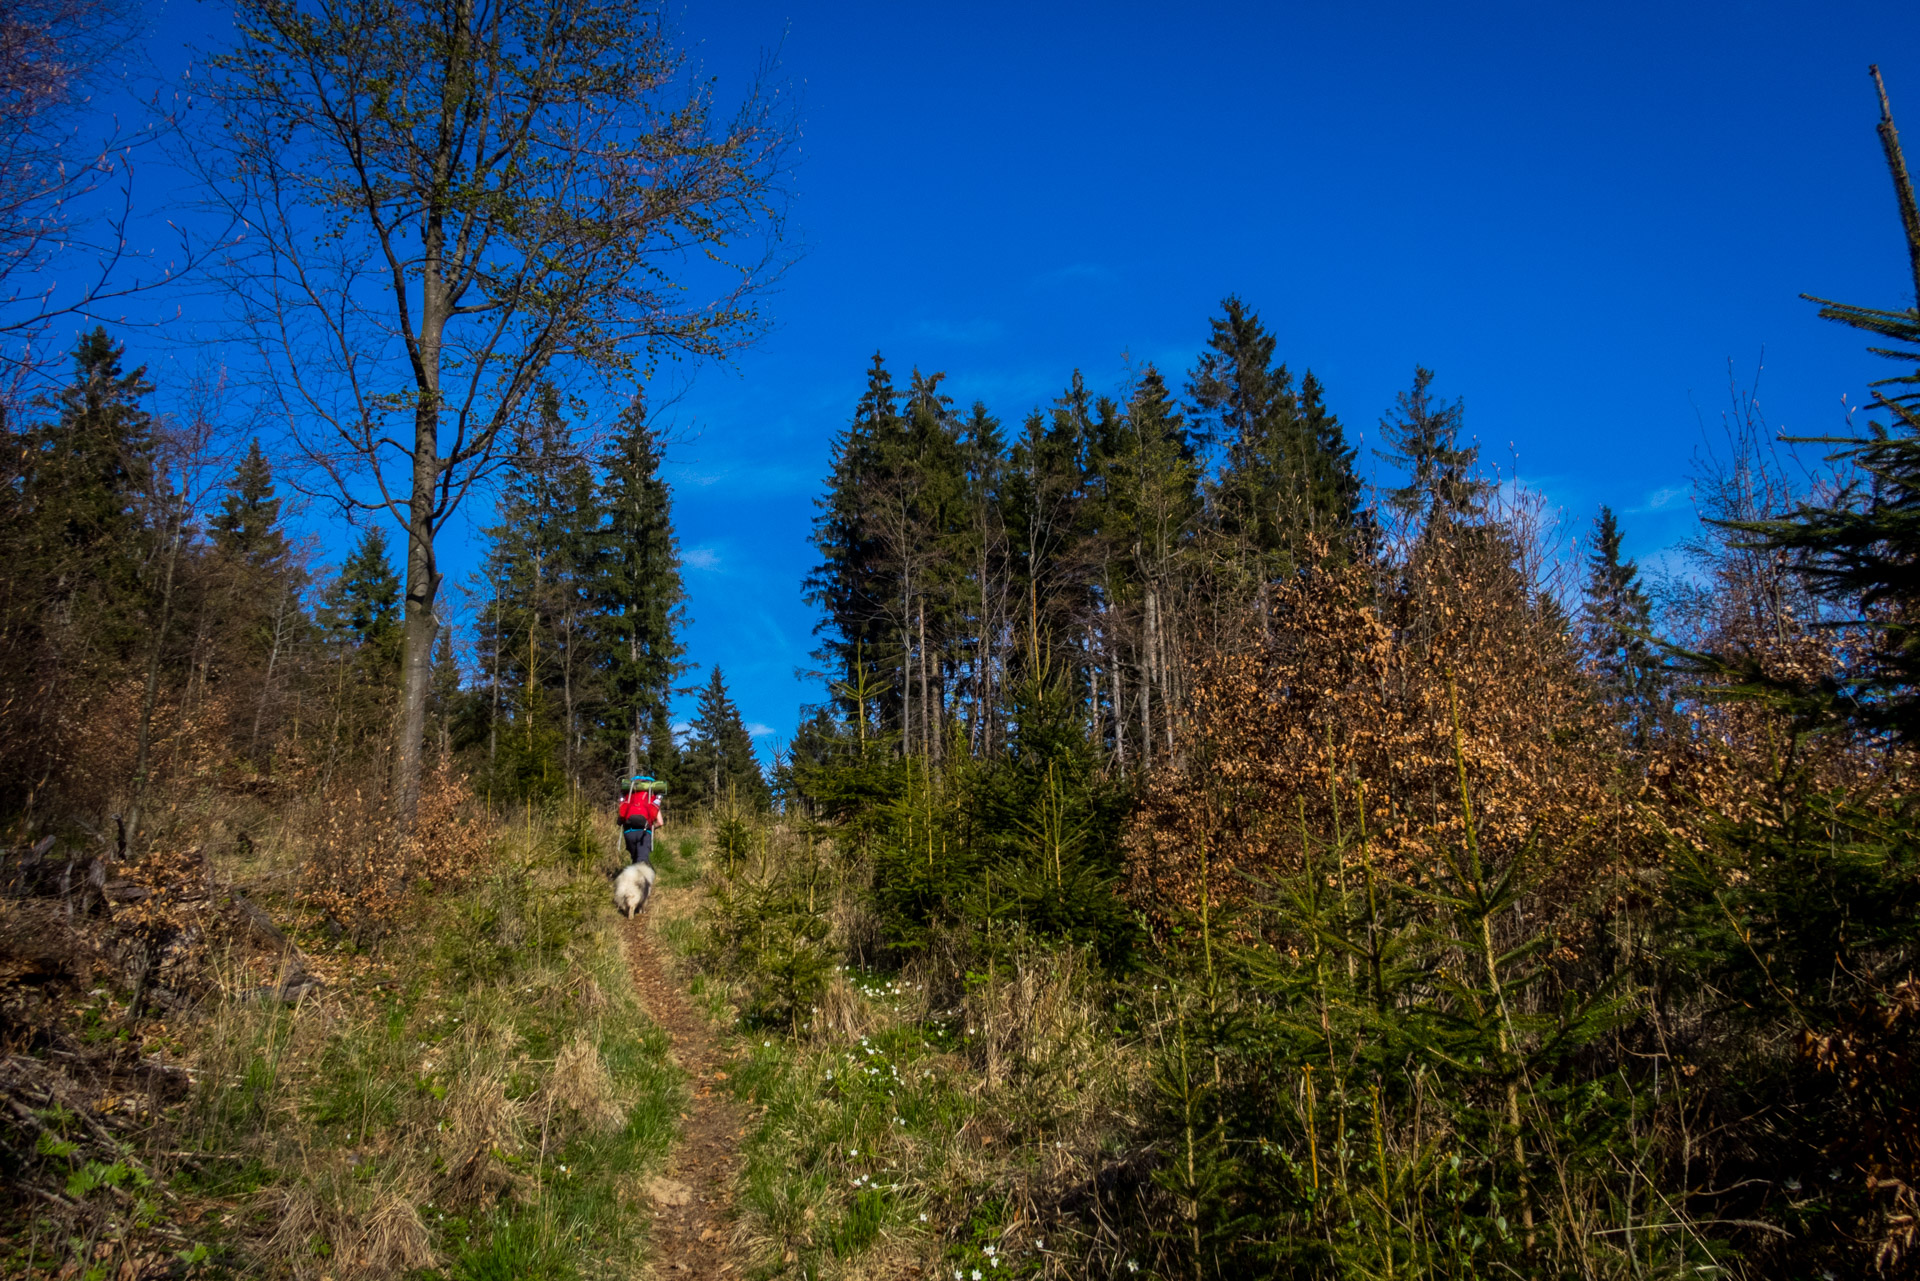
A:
363,863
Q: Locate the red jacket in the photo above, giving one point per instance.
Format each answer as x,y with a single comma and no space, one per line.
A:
638,808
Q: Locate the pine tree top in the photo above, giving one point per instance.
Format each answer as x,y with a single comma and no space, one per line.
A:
1423,435
362,605
247,526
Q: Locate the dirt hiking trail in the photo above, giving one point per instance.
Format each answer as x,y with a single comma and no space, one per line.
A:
693,1220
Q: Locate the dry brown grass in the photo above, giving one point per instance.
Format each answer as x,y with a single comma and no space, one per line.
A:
337,1221
580,1083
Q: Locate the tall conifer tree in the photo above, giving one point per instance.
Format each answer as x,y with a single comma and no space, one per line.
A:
1857,548
1287,482
360,610
84,478
638,600
719,759
851,584
1423,439
539,636
247,527
1615,621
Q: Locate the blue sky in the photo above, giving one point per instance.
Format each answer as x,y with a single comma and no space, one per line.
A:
1577,215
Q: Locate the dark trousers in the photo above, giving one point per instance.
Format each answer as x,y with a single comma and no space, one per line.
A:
639,844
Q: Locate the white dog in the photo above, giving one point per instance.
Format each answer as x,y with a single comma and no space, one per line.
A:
632,888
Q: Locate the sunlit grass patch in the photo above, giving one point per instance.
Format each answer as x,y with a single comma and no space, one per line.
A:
488,1104
879,1145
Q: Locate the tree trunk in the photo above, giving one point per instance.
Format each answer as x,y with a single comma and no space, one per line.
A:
1119,691
142,760
493,720
566,690
926,704
1093,697
1164,669
1146,688
266,684
906,668
639,703
423,586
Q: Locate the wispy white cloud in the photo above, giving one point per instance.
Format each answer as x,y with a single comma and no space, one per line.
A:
757,730
960,331
1076,273
702,558
1665,499
693,478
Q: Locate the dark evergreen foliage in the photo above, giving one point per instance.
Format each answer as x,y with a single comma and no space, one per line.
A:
958,559
1287,490
247,526
1423,438
1616,622
540,634
85,474
360,610
638,602
719,761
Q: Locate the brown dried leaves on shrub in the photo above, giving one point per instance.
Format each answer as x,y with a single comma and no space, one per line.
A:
1356,693
1874,1054
362,865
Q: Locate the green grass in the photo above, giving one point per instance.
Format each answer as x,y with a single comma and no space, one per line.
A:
490,1110
889,1152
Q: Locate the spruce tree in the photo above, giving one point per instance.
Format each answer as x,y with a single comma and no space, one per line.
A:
255,582
638,601
983,459
360,610
852,585
247,527
1335,491
1287,484
719,759
1144,507
84,477
929,551
1236,387
1043,496
540,638
1858,548
79,594
1423,436
1616,620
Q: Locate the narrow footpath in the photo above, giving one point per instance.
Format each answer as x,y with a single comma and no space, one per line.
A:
693,1220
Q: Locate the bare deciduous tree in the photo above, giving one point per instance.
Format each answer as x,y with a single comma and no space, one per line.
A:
61,154
446,199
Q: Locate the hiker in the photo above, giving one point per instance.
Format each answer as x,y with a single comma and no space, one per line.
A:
639,815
